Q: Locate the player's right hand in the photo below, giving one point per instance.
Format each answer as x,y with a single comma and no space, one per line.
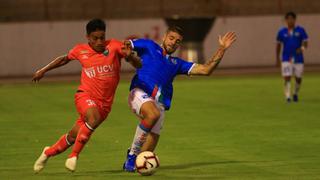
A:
37,76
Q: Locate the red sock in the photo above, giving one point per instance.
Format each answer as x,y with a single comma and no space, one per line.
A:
83,136
60,146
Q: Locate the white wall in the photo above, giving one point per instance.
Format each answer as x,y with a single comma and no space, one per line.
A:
256,41
24,47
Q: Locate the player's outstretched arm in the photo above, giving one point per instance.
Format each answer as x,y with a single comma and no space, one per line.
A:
225,42
57,62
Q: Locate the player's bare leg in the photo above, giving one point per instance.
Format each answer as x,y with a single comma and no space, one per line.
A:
153,137
297,88
93,120
287,88
60,146
150,114
151,142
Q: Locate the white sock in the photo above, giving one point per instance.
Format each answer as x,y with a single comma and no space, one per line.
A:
297,88
139,138
287,89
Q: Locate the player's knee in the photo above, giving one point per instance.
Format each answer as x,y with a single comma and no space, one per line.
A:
154,116
287,78
71,138
94,120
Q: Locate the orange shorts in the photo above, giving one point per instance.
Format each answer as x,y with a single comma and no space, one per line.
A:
84,101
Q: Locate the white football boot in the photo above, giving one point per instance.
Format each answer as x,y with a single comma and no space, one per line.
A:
41,161
71,163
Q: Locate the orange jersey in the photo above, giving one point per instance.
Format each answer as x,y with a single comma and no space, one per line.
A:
100,71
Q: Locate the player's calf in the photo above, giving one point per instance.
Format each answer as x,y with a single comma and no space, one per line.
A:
287,90
151,115
84,134
83,137
296,89
60,146
142,132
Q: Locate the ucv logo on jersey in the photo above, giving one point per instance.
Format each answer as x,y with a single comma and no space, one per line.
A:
99,71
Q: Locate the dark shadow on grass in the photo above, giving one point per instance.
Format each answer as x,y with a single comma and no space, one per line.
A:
96,173
199,164
86,173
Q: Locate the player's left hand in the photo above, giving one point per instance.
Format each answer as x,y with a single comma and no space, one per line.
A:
126,48
37,76
227,39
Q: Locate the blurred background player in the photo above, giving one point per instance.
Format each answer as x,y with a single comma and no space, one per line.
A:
100,61
293,40
151,87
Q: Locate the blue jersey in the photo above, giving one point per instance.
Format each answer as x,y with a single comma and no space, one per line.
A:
158,71
291,42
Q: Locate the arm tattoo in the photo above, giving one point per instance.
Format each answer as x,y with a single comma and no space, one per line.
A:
215,60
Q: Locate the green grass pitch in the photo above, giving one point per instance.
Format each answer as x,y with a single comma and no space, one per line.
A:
218,128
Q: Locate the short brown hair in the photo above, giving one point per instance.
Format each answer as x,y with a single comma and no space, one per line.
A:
176,29
291,14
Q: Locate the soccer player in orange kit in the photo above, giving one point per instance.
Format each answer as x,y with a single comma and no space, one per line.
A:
100,61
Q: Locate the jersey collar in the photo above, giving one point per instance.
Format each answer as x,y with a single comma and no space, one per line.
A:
107,42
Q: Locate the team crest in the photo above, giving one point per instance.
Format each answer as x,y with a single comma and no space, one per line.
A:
106,52
84,51
173,60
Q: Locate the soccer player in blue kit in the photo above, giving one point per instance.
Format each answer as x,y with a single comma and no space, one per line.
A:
294,41
151,88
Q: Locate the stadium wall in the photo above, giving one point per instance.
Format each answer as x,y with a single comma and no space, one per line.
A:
27,46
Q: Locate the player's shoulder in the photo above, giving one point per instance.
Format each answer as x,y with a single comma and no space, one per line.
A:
283,29
144,40
179,60
300,28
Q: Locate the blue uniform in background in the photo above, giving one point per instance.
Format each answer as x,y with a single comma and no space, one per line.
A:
291,42
158,71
